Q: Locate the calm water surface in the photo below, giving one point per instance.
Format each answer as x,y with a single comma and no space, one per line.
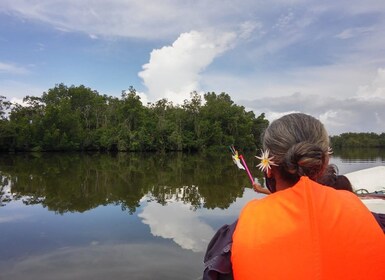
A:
123,216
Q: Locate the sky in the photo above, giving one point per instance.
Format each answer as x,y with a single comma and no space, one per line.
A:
324,58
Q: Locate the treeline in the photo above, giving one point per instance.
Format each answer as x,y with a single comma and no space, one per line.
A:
68,182
79,118
358,140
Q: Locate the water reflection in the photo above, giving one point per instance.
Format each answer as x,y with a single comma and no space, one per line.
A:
134,216
118,261
79,182
360,154
177,222
350,161
138,216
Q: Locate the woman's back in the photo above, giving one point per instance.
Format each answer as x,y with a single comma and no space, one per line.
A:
304,230
308,231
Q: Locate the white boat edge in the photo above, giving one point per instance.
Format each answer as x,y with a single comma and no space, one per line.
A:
373,180
376,205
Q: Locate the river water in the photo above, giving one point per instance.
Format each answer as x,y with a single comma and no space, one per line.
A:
122,216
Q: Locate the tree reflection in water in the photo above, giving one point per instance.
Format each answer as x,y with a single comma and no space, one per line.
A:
79,182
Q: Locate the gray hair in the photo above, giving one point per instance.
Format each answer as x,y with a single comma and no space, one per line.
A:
299,145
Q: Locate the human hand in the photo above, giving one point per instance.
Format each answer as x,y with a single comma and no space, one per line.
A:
258,188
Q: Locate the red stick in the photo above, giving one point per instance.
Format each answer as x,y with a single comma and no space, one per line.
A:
247,169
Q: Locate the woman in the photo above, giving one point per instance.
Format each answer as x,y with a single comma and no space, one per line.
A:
304,230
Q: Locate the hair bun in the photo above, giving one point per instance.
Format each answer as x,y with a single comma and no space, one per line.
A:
304,159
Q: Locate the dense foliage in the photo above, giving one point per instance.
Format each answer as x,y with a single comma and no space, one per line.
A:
79,118
358,140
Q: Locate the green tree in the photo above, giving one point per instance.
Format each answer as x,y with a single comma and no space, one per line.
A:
62,120
131,114
26,123
79,118
191,120
6,132
224,123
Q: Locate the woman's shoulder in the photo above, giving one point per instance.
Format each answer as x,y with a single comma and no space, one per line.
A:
217,259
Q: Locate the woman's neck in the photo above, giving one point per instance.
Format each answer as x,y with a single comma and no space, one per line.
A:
280,183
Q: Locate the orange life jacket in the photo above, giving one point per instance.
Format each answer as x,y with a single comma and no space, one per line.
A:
308,231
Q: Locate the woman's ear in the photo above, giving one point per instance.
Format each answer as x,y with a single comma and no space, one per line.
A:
269,173
270,180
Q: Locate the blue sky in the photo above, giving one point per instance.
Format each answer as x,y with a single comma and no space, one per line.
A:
325,58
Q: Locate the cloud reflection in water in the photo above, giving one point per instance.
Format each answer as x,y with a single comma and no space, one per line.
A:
177,222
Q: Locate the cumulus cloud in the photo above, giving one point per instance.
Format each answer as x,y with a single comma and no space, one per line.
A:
173,72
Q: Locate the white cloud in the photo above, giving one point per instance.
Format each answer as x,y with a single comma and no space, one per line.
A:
149,19
15,91
143,97
353,32
271,116
285,21
173,72
8,68
177,222
374,90
331,118
340,80
248,27
362,111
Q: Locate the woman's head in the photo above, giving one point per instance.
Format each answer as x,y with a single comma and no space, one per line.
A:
299,144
